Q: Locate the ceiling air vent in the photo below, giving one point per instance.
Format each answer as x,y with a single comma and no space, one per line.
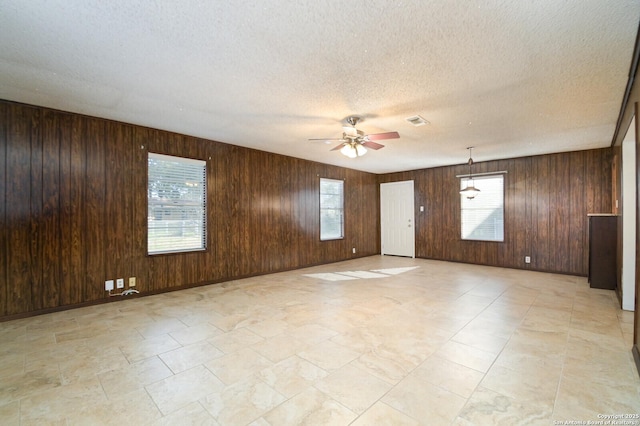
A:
416,120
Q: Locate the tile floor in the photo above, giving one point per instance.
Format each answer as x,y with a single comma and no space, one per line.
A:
372,341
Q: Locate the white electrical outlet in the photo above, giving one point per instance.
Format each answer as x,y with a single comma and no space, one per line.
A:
527,259
353,250
120,283
132,281
108,285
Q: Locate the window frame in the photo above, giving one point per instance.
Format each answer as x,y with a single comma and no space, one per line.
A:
477,180
340,209
185,207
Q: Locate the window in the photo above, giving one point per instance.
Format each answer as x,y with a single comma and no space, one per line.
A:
331,209
177,204
483,216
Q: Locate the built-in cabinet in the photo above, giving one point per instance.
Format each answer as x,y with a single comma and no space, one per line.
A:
603,241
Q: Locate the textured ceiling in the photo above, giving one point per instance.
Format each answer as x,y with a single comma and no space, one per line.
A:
511,78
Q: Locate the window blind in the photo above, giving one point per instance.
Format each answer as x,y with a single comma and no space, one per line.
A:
331,209
177,204
482,218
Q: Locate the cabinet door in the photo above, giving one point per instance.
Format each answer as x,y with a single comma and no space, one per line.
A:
602,251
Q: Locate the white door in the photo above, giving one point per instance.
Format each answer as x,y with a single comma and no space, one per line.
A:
397,219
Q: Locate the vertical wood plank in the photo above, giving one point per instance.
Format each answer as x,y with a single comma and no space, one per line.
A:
36,212
540,249
54,129
65,221
515,218
18,214
561,164
529,207
140,262
435,215
128,171
73,193
4,248
577,216
95,225
116,208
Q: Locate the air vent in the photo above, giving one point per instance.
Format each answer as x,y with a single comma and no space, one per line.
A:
416,120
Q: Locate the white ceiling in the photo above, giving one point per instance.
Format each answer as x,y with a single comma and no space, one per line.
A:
509,77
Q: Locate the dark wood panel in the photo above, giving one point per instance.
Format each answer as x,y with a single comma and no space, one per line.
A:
598,170
530,209
145,268
540,250
577,220
72,254
559,204
432,199
74,210
50,236
603,236
116,207
452,244
70,197
514,248
95,225
18,204
636,315
4,248
36,212
546,199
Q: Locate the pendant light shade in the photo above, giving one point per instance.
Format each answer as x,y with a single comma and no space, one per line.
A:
470,191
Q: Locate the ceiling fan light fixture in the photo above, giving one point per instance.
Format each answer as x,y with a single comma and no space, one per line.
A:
355,143
353,150
348,151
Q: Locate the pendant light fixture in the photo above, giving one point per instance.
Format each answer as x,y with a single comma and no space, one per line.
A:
470,191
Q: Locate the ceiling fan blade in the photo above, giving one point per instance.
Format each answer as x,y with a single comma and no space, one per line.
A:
338,147
372,145
383,136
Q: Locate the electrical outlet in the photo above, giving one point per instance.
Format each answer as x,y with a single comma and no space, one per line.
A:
353,250
120,283
108,285
132,281
527,259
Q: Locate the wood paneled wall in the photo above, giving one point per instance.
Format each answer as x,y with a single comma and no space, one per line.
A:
73,210
547,199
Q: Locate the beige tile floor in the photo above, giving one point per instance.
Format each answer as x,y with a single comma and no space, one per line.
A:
421,342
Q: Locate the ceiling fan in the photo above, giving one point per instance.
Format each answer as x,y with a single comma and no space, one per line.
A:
354,142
